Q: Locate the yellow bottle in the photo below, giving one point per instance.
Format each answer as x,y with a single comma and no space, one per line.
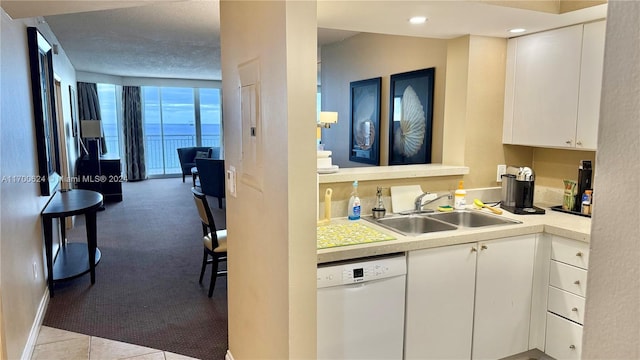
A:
460,203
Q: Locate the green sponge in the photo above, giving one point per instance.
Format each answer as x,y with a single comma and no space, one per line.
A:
445,208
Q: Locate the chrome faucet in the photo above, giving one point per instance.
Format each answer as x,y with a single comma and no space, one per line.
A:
419,204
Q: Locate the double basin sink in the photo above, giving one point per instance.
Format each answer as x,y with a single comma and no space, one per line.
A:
422,223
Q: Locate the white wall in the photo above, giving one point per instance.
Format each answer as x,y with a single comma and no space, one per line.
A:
612,318
21,233
21,239
66,74
84,76
271,222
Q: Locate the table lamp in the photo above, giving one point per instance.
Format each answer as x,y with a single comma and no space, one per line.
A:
92,131
327,118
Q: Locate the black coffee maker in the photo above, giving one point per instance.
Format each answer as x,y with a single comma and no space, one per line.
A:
518,186
584,182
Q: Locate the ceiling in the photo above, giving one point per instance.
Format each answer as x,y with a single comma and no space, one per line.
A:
180,39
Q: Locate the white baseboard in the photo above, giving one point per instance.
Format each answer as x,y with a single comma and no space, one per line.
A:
228,356
27,352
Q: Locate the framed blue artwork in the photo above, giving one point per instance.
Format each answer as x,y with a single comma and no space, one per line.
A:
411,117
364,144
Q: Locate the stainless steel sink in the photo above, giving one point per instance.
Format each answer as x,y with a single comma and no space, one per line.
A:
465,218
412,224
419,223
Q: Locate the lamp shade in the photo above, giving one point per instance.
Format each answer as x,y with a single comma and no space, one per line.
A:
91,128
328,117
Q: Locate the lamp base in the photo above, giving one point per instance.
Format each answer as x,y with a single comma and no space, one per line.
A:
93,146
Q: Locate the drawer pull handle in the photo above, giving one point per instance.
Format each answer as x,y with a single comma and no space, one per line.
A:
574,309
473,249
572,347
568,142
483,247
577,282
579,254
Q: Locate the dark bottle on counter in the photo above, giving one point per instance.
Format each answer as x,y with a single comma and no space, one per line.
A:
585,173
586,202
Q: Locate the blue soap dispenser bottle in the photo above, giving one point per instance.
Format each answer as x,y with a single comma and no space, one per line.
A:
353,213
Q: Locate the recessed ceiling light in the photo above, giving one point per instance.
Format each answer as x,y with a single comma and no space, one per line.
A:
418,20
517,30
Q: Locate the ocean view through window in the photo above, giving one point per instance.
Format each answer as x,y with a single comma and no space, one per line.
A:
173,117
109,112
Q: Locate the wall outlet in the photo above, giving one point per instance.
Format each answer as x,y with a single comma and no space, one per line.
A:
502,169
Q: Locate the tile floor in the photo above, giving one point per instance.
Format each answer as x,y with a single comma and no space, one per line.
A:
534,354
56,344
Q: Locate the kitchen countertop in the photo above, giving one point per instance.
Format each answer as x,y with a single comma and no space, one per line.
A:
392,172
552,222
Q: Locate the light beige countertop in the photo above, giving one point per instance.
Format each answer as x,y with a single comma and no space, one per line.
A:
553,222
392,172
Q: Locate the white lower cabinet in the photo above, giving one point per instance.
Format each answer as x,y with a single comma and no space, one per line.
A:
503,297
567,277
566,304
470,301
566,301
564,338
439,309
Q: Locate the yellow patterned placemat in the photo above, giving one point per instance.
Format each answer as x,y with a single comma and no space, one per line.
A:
333,235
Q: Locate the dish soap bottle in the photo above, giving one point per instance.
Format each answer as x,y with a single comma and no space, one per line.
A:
353,212
459,199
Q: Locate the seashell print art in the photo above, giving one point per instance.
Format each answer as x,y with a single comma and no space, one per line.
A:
364,130
410,136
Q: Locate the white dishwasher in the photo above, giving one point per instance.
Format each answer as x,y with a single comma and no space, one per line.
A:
361,308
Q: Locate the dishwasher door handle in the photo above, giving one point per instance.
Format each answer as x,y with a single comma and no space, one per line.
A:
355,286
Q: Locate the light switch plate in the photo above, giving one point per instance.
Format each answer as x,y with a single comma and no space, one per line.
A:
231,181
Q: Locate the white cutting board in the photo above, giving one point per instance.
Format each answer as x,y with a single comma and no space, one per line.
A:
403,197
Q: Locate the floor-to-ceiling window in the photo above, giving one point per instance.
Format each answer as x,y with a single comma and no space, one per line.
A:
173,117
109,112
178,117
210,117
169,123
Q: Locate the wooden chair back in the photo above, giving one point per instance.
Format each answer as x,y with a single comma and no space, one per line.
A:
208,224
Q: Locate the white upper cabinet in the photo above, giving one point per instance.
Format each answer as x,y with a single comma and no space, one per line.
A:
590,85
552,89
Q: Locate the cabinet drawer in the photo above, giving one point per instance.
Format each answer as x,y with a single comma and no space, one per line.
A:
568,278
566,304
570,252
564,338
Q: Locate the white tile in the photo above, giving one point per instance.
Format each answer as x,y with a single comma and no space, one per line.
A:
159,355
172,356
73,349
50,335
104,349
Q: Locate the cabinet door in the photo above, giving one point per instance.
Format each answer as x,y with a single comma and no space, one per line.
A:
440,291
504,279
590,85
547,77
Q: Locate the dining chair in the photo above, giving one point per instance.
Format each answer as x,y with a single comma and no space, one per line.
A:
215,241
